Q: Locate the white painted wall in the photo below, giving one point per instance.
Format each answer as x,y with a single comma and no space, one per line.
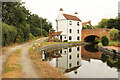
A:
64,26
65,61
74,28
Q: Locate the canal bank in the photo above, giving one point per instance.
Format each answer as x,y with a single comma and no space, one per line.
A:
46,69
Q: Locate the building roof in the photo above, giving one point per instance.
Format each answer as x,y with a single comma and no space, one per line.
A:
83,24
71,17
61,9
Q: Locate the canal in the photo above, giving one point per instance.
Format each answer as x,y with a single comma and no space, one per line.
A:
84,62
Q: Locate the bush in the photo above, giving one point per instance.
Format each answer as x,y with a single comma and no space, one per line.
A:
114,34
45,33
31,37
9,34
65,41
104,40
56,39
83,27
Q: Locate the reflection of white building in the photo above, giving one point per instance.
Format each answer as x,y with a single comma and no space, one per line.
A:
70,25
71,59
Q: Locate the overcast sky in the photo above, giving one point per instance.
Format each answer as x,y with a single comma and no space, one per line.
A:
93,10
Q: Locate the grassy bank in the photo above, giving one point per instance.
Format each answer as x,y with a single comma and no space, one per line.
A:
12,68
111,43
45,70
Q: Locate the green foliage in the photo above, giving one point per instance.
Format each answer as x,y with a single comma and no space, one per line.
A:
83,27
114,34
109,24
104,58
65,40
104,40
96,26
45,33
26,25
52,30
56,39
87,27
31,37
103,23
9,34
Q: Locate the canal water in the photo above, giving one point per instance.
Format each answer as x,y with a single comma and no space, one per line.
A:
84,62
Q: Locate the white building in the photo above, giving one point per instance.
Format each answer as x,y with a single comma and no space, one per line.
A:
70,25
71,59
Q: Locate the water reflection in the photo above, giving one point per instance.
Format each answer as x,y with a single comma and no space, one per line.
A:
77,59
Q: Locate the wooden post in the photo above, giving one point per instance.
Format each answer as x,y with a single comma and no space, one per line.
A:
39,44
43,55
33,46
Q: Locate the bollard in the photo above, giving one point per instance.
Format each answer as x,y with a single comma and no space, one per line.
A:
43,55
33,46
39,44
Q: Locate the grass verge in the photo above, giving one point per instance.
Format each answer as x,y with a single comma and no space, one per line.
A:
45,69
12,68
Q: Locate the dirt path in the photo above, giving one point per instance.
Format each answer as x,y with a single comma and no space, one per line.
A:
26,64
25,61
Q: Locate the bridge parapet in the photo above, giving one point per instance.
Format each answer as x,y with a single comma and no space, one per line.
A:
96,32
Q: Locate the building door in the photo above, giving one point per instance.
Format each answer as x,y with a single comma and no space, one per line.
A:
61,37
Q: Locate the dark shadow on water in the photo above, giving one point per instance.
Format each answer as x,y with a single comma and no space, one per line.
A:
91,47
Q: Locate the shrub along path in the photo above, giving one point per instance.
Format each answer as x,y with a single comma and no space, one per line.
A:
24,60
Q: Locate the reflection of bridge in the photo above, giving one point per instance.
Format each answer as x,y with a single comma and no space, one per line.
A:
91,34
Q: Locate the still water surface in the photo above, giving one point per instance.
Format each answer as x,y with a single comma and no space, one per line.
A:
83,62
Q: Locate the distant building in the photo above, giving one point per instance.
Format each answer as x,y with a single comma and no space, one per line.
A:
119,9
70,25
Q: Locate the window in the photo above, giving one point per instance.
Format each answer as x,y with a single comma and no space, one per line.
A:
78,31
60,51
77,62
70,50
70,65
78,48
70,38
78,38
78,24
65,37
77,55
70,22
65,51
70,30
70,57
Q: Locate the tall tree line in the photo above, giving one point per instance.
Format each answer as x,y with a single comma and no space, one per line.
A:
19,25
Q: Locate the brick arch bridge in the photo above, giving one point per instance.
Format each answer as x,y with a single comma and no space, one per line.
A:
93,33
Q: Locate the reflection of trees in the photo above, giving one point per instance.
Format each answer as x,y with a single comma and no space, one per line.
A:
110,61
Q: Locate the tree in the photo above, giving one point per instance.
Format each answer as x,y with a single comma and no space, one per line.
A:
52,30
104,40
111,23
9,34
103,23
114,34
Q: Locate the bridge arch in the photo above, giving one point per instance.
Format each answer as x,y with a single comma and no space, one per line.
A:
89,33
91,38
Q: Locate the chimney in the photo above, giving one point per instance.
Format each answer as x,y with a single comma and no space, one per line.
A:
89,22
75,13
61,11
